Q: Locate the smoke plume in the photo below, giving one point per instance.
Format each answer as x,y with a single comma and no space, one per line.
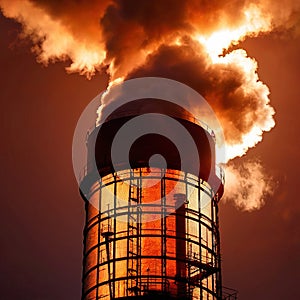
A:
231,87
120,34
189,41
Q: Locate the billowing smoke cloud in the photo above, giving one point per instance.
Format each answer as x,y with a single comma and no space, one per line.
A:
188,41
58,34
231,87
121,33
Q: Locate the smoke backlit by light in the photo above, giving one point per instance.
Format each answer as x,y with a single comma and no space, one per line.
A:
105,35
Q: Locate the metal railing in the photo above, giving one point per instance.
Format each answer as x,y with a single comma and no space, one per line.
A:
220,172
184,116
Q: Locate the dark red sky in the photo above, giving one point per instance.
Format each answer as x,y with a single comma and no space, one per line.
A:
42,214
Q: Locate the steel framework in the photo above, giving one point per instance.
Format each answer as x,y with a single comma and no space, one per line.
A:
151,232
138,248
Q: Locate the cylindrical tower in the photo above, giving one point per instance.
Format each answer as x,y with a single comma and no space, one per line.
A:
151,230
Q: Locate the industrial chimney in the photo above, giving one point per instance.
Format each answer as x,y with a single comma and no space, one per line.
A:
152,228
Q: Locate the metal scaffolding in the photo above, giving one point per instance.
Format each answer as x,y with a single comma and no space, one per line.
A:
152,233
175,254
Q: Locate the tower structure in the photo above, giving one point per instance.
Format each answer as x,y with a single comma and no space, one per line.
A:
151,233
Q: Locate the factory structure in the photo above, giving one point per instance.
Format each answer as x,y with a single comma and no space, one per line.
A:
152,233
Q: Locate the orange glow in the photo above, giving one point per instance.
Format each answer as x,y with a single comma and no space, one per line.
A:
126,46
181,232
53,40
253,24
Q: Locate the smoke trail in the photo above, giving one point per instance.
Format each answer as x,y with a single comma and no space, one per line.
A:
188,41
247,185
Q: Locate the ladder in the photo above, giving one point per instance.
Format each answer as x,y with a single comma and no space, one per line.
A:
133,240
107,233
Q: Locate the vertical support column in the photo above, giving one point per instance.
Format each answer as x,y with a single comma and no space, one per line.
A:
139,229
180,245
213,244
86,205
200,229
217,249
114,237
98,245
163,234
